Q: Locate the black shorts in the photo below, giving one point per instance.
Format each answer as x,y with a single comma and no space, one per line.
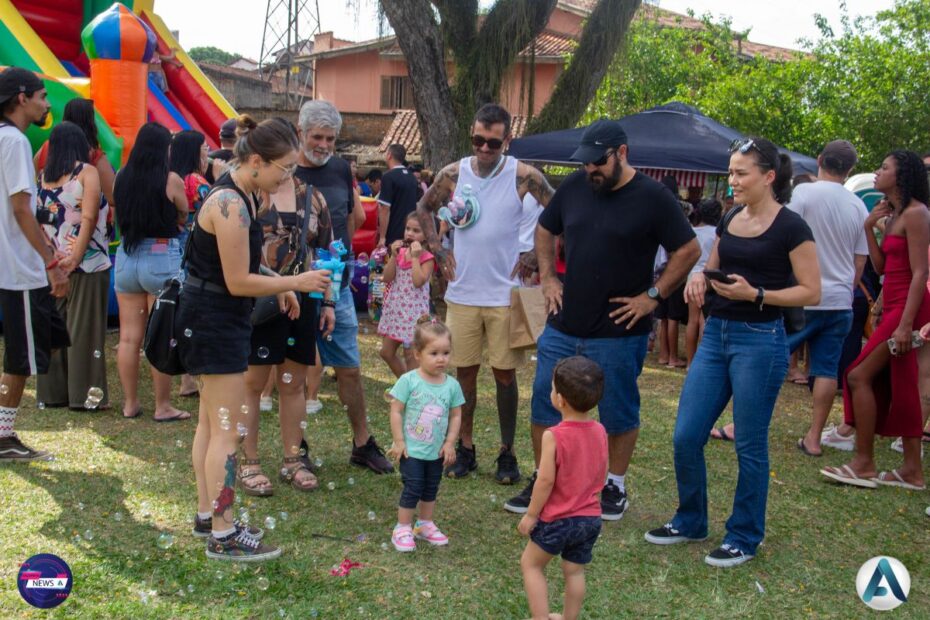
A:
572,537
32,328
213,332
673,307
282,338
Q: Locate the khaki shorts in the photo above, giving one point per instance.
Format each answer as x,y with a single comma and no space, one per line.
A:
472,326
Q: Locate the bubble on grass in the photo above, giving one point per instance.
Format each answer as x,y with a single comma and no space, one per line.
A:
361,538
117,516
164,541
351,481
331,486
283,516
384,546
318,462
262,583
263,352
76,539
190,588
97,354
291,342
371,515
270,523
245,517
281,613
4,389
80,505
493,498
88,535
225,425
244,410
532,358
313,612
69,425
218,575
302,452
188,333
303,424
145,510
41,405
178,444
287,377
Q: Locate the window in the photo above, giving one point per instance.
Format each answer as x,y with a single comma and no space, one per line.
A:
396,92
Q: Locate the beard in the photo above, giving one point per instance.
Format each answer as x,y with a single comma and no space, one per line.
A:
605,184
41,121
316,159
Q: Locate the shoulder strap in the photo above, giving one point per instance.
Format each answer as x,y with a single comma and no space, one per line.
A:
730,215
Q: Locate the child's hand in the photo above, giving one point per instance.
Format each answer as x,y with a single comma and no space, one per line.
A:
397,450
447,452
925,332
396,246
526,525
415,249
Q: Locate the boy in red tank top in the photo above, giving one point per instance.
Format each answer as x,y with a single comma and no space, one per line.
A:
564,515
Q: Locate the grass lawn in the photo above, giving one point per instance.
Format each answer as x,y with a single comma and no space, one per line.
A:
117,485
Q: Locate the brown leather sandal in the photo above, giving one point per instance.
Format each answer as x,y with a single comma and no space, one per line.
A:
249,469
292,467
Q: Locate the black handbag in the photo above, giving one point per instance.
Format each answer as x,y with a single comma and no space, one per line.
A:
266,308
160,345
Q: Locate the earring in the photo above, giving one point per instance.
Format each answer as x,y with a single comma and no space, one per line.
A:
255,174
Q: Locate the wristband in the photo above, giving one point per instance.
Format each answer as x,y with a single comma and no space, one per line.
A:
760,297
52,265
328,303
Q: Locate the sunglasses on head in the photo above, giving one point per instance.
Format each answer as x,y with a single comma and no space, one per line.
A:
603,160
493,143
743,145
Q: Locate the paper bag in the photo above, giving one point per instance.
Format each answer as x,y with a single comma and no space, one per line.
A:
527,317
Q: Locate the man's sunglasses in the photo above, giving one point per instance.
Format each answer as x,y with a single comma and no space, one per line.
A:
603,160
493,143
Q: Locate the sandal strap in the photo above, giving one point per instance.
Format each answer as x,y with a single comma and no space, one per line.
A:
297,466
255,461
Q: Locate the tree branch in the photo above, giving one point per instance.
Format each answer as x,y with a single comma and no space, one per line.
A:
604,33
458,24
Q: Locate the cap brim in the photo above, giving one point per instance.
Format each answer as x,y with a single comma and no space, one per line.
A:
587,154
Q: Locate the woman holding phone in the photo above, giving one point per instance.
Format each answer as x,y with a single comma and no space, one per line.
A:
743,355
874,399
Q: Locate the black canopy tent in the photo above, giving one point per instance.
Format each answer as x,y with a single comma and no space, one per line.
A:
674,136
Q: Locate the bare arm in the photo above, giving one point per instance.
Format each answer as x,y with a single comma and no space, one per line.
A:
680,263
420,271
384,214
531,180
544,245
90,210
879,212
357,217
399,445
390,266
175,193
859,261
917,228
26,220
435,197
545,480
806,292
107,178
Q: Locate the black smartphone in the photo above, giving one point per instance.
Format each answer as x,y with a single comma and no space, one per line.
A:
719,276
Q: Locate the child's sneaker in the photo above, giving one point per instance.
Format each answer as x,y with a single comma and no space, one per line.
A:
831,437
402,539
427,530
265,403
203,528
240,547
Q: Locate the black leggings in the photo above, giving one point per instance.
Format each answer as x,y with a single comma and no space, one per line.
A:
421,481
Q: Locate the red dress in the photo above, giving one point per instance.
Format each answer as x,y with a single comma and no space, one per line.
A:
896,395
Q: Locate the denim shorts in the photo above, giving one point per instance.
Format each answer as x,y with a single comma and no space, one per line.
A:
341,349
152,262
825,332
621,359
572,537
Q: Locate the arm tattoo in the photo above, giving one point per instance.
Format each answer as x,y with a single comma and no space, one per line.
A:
244,217
441,189
536,184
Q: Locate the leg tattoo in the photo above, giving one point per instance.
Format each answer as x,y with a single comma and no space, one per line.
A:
227,493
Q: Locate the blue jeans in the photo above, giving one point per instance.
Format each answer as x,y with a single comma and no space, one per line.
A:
825,332
421,481
748,362
341,350
152,262
621,359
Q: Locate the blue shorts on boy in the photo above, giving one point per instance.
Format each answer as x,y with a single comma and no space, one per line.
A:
570,521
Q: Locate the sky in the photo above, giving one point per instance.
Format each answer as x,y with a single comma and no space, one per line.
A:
237,25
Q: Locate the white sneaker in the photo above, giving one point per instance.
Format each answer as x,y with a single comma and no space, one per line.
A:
898,446
832,438
265,404
314,406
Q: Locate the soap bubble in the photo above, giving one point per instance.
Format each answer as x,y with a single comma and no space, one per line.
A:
331,486
89,535
303,424
172,343
270,523
97,354
4,389
283,516
165,541
244,410
223,413
95,393
361,538
117,516
287,377
384,546
263,352
351,481
318,462
178,444
80,505
291,342
493,498
262,583
190,588
371,515
90,404
188,332
41,405
242,429
225,425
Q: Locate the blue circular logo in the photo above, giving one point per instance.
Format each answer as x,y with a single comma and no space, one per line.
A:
44,581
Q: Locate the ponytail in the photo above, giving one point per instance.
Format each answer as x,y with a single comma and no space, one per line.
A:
784,173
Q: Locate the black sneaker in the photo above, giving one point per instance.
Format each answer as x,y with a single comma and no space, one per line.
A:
240,547
521,502
371,456
507,470
464,464
305,457
203,528
613,502
12,449
668,535
726,556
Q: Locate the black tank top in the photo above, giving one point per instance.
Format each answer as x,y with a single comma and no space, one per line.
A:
203,256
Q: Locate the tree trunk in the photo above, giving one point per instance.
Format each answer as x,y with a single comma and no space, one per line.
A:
603,35
421,41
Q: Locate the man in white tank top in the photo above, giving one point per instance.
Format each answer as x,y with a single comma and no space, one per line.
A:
482,268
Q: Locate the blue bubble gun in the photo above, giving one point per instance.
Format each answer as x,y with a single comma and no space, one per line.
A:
332,260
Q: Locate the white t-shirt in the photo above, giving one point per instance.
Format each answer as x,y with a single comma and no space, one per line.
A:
531,212
836,217
23,268
706,236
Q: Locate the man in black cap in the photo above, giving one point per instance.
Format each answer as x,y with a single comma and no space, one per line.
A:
397,198
612,220
30,274
227,141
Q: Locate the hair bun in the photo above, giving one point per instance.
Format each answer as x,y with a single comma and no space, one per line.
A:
245,124
425,318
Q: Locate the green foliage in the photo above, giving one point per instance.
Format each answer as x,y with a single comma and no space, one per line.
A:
213,55
867,82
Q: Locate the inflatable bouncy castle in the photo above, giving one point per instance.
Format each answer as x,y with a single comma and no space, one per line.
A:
109,64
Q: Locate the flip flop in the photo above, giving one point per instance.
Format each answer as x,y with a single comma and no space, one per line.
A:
799,381
722,434
678,364
137,413
898,481
845,475
180,415
191,394
804,449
